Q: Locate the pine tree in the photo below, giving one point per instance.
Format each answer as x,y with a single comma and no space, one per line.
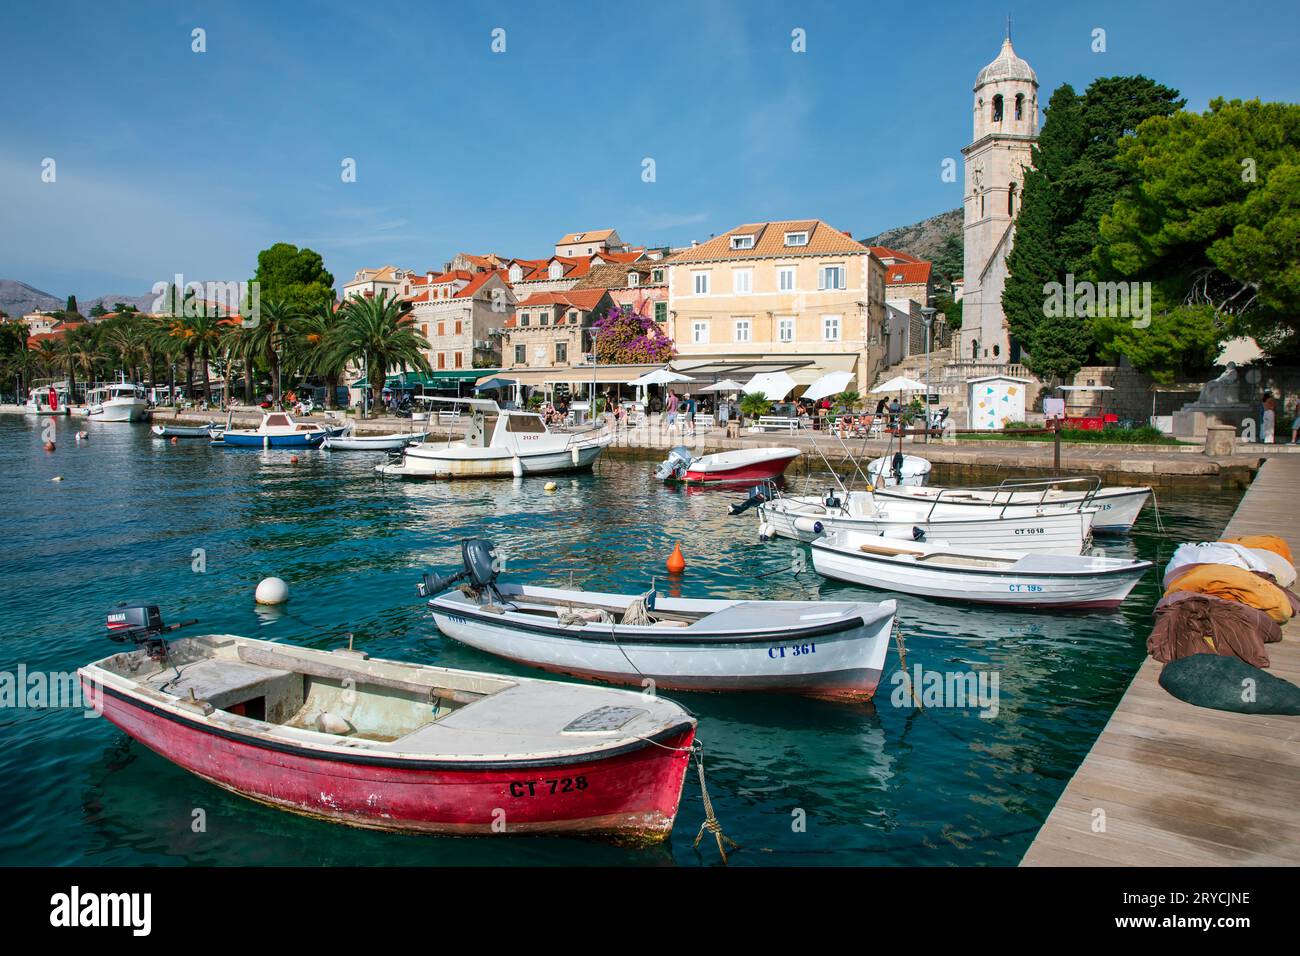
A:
1076,180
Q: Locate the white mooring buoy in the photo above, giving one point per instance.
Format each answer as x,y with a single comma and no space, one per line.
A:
272,591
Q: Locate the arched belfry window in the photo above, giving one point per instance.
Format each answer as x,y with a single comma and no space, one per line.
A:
1020,106
997,108
1011,200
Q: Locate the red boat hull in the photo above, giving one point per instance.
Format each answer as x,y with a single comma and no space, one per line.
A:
758,471
628,796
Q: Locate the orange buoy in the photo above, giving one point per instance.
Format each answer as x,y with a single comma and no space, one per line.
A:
49,446
173,439
293,459
676,563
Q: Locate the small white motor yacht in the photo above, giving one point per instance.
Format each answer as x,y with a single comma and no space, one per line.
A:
48,400
117,402
519,444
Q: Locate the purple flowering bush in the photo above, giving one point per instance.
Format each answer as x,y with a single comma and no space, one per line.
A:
624,336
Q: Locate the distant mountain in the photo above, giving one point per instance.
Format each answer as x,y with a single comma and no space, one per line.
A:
928,239
18,298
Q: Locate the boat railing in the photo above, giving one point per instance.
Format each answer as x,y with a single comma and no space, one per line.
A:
1014,486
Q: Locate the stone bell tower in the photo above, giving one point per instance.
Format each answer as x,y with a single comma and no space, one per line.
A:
1006,128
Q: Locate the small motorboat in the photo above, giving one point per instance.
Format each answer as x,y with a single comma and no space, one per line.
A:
117,402
392,745
898,470
1117,507
1054,529
824,649
48,400
937,569
277,430
743,464
520,444
354,442
210,430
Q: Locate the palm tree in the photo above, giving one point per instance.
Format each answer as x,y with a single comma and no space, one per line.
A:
311,345
205,334
266,339
754,405
380,331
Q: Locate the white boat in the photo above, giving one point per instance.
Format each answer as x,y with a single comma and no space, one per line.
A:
824,649
742,464
1117,507
277,430
117,402
937,569
48,400
520,444
353,442
898,470
1055,529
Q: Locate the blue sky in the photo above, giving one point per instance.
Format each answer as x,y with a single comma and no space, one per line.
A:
170,161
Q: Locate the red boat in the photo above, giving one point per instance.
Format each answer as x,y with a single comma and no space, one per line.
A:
743,464
398,746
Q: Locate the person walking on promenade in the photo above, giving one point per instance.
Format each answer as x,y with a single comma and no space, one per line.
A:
689,414
670,410
1268,421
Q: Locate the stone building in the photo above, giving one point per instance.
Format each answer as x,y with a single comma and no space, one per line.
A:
1005,130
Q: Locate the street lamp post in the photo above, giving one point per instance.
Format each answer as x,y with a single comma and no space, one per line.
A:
927,315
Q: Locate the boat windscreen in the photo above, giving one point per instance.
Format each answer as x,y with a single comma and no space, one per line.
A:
525,423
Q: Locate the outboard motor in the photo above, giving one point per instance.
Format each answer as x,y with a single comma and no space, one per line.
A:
896,466
142,625
480,567
757,495
673,468
831,500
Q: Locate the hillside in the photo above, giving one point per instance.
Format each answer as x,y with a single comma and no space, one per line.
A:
18,298
935,239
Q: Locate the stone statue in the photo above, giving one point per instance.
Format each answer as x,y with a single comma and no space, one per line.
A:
1222,391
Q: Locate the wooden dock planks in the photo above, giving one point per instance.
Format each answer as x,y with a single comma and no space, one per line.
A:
1187,786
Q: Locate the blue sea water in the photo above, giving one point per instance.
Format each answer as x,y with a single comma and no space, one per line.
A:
796,782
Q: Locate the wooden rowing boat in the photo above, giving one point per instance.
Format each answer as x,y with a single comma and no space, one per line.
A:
400,746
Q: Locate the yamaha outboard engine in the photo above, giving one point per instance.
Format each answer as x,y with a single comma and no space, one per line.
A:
757,496
142,625
481,567
673,468
897,466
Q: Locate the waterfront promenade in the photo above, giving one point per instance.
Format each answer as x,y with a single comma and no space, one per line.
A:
1188,786
958,462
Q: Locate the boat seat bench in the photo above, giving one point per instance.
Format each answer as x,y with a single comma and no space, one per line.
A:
321,669
225,683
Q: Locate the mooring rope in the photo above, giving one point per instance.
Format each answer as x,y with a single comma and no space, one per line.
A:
710,823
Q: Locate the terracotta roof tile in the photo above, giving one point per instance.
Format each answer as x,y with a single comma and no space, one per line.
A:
907,273
769,242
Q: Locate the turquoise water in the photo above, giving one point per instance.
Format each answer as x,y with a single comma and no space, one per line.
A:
872,784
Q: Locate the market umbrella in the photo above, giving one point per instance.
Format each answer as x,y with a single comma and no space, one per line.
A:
661,376
832,383
494,383
773,385
900,383
726,385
